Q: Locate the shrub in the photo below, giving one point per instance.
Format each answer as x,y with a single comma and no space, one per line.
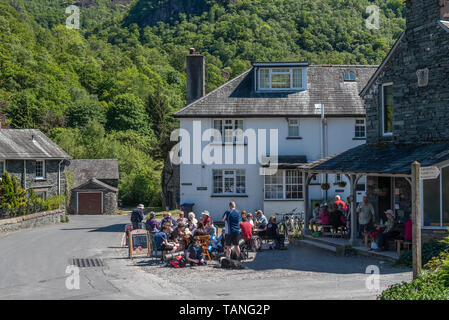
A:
429,250
425,287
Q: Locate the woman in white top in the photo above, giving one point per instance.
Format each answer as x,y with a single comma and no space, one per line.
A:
191,216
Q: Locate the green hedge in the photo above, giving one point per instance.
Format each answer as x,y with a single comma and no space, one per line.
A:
429,250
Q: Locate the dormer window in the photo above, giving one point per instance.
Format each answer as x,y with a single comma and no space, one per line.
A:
349,76
280,77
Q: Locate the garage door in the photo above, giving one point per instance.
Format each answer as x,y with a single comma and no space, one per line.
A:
89,203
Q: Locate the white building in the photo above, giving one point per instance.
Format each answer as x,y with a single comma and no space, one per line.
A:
316,110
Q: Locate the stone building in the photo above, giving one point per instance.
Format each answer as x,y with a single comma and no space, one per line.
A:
407,120
94,186
36,161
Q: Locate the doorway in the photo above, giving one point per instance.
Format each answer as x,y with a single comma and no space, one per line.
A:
384,202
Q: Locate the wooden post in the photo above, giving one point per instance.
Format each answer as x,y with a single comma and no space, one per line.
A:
416,218
353,181
306,204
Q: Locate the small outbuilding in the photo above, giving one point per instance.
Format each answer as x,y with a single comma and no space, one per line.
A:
94,184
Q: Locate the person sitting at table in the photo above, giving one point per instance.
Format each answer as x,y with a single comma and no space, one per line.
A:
191,226
249,216
152,224
194,255
272,232
210,228
243,214
388,231
178,235
167,217
191,216
336,217
247,230
162,243
182,218
325,215
200,230
206,217
261,221
315,221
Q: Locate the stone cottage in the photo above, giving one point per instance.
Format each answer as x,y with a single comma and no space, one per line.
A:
36,161
407,120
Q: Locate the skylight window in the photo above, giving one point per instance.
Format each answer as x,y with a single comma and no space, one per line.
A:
349,76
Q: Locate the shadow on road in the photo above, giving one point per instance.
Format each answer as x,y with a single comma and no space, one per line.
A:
120,227
312,260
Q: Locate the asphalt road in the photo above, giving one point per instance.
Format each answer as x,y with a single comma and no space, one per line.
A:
33,266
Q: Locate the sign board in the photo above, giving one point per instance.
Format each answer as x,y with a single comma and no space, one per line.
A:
428,173
139,243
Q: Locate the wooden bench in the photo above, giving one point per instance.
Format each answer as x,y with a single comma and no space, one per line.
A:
401,245
333,232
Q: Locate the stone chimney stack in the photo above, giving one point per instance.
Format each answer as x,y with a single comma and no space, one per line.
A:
420,13
196,75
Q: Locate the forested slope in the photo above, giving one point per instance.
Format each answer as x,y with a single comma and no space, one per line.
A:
109,89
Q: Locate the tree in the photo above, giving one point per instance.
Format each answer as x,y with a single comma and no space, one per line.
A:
127,112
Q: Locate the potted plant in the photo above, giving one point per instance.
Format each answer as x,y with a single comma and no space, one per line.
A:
381,192
325,186
341,184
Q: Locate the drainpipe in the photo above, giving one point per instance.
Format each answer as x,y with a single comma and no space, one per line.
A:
59,177
323,143
25,174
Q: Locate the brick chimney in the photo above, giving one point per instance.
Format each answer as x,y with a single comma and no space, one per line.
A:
196,75
420,13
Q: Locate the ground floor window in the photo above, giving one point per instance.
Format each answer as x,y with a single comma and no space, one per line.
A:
2,167
436,200
284,185
229,181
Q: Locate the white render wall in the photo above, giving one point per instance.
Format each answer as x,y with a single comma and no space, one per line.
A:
339,136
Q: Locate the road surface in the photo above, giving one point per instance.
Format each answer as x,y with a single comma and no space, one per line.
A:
33,266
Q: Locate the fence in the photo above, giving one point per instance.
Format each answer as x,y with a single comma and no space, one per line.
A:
6,213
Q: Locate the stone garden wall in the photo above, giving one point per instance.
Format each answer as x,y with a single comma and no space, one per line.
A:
31,221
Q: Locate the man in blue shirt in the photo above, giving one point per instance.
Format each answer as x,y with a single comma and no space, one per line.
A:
232,220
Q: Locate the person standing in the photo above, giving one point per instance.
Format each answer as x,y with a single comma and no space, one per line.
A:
137,216
365,211
232,220
338,201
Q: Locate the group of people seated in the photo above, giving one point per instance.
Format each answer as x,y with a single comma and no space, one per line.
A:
337,215
379,233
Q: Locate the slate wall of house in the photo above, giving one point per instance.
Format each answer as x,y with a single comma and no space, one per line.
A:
420,113
50,182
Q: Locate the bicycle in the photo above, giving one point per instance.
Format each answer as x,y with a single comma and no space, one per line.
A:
287,223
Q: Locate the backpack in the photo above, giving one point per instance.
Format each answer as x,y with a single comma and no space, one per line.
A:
177,262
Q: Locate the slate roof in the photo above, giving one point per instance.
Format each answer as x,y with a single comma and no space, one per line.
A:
21,144
287,162
86,169
97,182
386,159
326,86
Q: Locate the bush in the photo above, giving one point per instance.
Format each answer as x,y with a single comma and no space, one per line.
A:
429,250
425,287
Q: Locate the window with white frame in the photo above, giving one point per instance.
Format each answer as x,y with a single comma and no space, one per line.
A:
2,167
281,78
360,128
40,169
284,185
229,181
435,195
293,127
228,129
387,109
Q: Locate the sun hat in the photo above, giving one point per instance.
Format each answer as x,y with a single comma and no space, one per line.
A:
205,212
389,211
140,206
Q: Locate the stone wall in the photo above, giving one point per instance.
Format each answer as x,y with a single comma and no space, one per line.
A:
430,235
50,182
420,113
31,221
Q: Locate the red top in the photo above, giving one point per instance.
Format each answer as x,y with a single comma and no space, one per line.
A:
342,203
408,230
247,230
324,217
206,220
